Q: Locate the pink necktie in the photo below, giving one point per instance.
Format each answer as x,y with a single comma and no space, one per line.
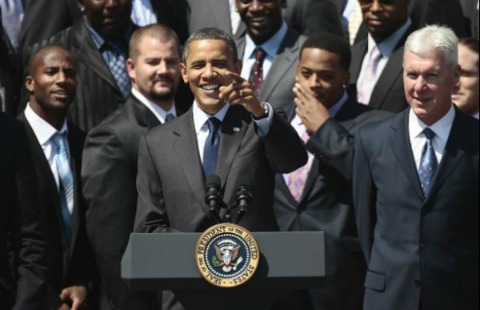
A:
296,179
365,87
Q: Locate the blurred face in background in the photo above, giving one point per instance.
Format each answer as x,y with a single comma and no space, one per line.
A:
110,18
383,17
262,17
466,92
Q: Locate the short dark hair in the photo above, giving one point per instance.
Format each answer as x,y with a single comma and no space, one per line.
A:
331,43
211,34
157,31
470,43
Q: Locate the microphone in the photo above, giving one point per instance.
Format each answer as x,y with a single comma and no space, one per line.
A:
212,195
244,198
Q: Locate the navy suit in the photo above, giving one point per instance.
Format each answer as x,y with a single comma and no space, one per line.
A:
422,252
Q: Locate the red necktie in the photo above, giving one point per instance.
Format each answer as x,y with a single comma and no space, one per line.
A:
256,74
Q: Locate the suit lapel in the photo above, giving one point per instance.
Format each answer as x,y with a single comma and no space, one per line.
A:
234,127
458,143
90,56
185,146
286,57
143,115
401,147
390,73
359,49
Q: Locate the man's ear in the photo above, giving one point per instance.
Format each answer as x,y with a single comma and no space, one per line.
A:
183,70
130,68
29,84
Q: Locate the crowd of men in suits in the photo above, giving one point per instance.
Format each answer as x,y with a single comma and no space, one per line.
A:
360,141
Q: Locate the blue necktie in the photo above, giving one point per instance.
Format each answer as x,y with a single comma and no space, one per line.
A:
116,63
428,162
169,117
66,190
210,151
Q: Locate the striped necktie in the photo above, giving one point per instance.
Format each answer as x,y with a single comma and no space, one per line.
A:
65,177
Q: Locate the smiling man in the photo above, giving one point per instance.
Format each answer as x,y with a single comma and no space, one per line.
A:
415,187
56,147
269,50
227,132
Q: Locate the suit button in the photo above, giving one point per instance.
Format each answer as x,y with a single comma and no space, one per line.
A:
417,283
421,246
424,212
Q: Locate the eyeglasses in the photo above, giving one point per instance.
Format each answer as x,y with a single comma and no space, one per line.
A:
366,3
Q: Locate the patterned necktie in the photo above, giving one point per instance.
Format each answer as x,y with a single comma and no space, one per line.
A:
256,74
366,85
12,14
66,189
116,63
210,150
428,162
169,117
297,179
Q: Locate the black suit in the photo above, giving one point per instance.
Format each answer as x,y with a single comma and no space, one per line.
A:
422,252
81,269
388,93
170,180
22,228
109,174
326,205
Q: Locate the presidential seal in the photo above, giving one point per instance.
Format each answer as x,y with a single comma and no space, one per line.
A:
227,255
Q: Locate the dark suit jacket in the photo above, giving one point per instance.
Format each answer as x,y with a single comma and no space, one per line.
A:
180,206
109,174
326,205
278,84
42,19
420,251
313,16
388,93
81,270
22,230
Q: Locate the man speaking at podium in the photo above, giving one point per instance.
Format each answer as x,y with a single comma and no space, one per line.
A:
227,132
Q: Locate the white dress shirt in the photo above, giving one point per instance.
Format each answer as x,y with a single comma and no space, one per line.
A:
159,113
142,13
201,129
44,133
270,47
441,129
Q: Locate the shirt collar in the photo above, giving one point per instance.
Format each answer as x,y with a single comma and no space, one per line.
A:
338,105
387,46
42,129
159,113
200,117
270,46
441,128
98,40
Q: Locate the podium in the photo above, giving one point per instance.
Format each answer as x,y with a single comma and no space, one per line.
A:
166,261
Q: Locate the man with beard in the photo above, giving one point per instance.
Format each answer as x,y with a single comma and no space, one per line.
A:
111,153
